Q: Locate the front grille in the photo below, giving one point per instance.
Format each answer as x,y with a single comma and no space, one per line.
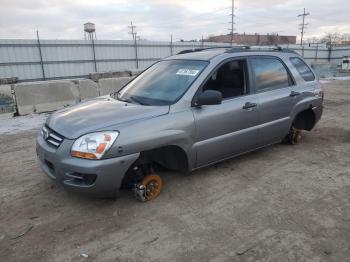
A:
51,137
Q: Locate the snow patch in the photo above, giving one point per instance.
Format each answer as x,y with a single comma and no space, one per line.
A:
345,78
22,123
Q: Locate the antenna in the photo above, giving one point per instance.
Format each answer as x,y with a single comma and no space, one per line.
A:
303,26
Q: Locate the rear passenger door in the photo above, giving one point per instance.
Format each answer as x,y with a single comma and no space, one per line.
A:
272,82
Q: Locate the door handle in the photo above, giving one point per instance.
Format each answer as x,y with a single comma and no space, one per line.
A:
249,105
294,93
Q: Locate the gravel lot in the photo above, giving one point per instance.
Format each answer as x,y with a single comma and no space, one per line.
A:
281,203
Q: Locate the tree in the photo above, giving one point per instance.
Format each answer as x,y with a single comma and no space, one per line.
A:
313,40
331,39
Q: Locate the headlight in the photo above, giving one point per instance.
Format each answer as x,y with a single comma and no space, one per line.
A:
94,145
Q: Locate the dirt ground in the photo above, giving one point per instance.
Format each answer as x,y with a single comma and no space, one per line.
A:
281,203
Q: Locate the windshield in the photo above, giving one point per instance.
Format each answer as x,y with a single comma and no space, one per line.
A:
163,83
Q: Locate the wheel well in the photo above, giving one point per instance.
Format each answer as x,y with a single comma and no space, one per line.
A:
305,120
172,157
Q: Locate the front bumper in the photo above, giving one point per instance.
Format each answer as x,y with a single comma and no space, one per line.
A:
97,177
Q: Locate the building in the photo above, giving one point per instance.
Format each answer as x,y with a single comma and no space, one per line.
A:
254,39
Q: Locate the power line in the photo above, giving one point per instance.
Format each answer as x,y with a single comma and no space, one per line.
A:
303,25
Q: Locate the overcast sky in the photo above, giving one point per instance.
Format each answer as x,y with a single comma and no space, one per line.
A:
157,19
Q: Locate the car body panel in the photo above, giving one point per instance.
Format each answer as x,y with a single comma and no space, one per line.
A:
98,114
225,129
109,172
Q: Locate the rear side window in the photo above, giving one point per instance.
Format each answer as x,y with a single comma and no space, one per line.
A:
302,69
269,73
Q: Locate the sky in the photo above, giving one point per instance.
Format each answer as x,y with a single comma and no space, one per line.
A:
158,19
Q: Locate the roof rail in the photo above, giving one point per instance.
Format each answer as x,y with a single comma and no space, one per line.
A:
257,49
244,48
200,49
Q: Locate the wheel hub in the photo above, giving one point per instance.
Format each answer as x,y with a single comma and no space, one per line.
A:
149,188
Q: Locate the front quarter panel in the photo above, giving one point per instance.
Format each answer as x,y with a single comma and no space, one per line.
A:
175,129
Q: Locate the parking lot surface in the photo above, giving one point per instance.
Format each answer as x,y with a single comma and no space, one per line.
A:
280,203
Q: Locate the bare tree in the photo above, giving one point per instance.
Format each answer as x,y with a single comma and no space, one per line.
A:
313,40
331,39
345,38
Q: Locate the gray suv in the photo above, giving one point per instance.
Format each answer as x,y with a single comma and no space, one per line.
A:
185,112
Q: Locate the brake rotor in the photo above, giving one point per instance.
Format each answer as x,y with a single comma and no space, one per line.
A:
153,185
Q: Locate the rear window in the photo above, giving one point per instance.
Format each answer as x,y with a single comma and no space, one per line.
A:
302,69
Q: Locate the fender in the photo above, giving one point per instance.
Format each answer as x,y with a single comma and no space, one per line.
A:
159,132
304,104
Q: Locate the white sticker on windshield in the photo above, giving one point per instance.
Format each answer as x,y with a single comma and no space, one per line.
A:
187,72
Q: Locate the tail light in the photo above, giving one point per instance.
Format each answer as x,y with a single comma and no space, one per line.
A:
319,92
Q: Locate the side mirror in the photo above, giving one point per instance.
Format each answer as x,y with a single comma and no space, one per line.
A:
209,97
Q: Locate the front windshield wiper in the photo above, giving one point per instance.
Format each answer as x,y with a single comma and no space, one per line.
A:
137,100
116,95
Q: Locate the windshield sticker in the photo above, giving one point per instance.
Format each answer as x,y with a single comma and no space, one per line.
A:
187,72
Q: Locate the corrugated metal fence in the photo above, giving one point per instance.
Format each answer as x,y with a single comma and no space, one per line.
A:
30,60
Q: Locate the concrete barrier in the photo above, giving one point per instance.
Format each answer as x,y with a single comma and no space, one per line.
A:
109,85
112,74
38,97
7,103
136,72
87,88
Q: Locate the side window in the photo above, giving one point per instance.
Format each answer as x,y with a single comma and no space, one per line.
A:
302,69
269,73
229,79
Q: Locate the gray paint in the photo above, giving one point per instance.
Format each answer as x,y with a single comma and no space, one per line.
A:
207,134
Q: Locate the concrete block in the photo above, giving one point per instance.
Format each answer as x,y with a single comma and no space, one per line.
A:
136,72
7,81
7,103
5,90
6,115
45,96
109,85
87,89
111,74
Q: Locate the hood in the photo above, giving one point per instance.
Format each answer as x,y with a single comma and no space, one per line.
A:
98,114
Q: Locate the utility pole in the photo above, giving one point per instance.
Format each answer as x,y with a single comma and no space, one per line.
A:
303,25
232,20
133,32
41,55
171,45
